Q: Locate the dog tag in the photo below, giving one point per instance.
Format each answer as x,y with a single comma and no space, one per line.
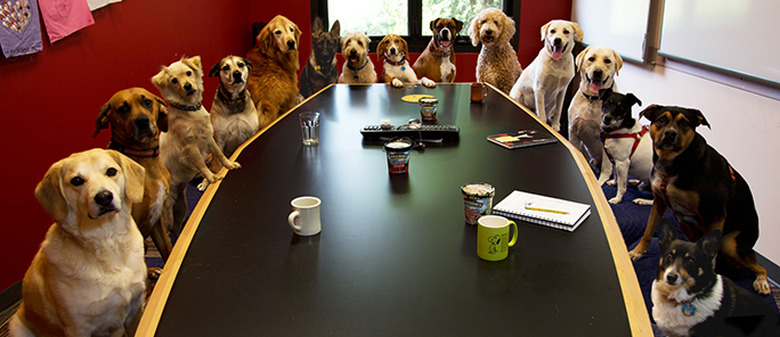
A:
688,309
403,68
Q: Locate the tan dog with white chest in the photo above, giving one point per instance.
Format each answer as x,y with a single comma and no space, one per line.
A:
233,113
598,67
437,61
190,137
136,117
397,70
88,277
542,85
273,79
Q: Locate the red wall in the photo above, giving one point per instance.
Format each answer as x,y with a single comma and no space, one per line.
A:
49,100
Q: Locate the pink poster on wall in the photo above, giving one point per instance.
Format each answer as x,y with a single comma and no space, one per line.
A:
64,17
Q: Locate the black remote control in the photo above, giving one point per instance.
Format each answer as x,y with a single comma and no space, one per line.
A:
426,132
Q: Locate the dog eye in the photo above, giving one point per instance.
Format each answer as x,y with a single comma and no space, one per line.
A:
240,64
661,120
668,258
291,29
591,59
483,21
607,61
683,122
552,31
278,32
690,263
189,73
174,81
77,181
148,103
566,31
225,68
123,109
111,172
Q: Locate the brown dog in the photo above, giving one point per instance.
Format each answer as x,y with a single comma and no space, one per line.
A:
273,80
702,189
136,117
437,61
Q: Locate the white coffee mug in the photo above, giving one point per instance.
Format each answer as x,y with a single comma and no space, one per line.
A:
305,217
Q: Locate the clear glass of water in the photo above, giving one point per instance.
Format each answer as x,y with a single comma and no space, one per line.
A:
310,127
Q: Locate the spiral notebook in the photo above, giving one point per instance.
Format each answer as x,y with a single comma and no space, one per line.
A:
543,210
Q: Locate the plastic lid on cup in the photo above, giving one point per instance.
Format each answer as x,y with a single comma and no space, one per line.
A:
478,190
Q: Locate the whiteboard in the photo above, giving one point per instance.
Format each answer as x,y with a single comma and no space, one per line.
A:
735,35
617,24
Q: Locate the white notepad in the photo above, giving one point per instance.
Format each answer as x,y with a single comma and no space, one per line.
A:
543,210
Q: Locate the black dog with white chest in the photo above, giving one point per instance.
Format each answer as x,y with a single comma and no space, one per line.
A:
690,299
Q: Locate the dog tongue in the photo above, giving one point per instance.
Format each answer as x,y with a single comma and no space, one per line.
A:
557,54
445,43
353,59
595,86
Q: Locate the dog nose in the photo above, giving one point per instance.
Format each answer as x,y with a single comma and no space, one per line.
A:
557,41
671,278
353,52
237,74
104,198
290,44
392,51
188,86
607,119
669,133
598,73
142,122
489,32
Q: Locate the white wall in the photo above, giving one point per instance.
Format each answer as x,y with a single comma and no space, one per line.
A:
745,120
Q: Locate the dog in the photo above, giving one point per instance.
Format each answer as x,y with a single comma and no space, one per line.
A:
88,277
397,70
690,299
233,114
700,186
497,63
321,70
542,85
273,80
136,117
358,67
437,61
627,144
190,136
597,67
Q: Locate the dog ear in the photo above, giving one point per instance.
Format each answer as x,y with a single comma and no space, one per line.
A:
652,112
474,30
405,47
581,57
433,25
162,113
297,33
544,29
666,234
160,79
578,34
508,30
618,62
380,48
49,193
316,27
335,30
134,177
265,41
214,71
700,120
633,99
458,24
193,62
102,119
710,243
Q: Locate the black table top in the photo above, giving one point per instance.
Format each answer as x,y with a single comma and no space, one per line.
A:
394,257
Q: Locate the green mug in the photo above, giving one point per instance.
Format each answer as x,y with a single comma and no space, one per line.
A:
493,237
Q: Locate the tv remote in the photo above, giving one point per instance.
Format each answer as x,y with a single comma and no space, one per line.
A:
426,132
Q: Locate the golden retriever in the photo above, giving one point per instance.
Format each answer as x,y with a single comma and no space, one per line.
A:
497,63
88,277
190,137
273,80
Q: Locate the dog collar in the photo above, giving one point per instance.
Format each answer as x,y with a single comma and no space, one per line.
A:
187,107
153,152
231,103
357,69
591,97
320,67
402,61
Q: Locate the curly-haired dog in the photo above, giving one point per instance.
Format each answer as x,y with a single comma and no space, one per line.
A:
88,277
497,63
136,117
397,70
542,85
437,61
273,80
190,136
358,67
597,67
321,70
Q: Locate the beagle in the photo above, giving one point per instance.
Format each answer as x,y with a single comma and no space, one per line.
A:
397,70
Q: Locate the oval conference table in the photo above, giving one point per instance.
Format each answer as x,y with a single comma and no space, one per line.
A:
394,257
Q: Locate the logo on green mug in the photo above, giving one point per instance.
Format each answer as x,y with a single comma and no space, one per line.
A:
496,243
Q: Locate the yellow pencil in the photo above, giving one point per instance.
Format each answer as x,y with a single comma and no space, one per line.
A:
528,207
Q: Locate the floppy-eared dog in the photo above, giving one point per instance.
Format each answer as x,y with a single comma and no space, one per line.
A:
690,299
233,113
358,67
396,68
542,85
703,190
321,70
497,63
627,145
136,117
88,277
437,61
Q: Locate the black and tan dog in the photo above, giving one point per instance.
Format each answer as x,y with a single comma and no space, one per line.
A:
690,299
321,69
702,189
136,117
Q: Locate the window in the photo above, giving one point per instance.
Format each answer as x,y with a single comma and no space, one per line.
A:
409,19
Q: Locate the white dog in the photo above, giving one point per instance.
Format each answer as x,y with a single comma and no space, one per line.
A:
598,67
397,70
497,63
358,67
627,144
233,113
190,137
542,85
89,276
